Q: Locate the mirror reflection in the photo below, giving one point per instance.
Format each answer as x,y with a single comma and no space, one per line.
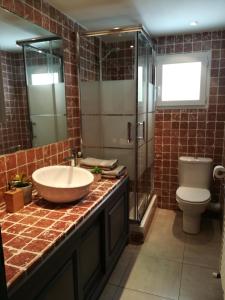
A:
32,91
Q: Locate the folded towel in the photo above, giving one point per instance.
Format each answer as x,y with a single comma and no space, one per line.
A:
116,173
104,164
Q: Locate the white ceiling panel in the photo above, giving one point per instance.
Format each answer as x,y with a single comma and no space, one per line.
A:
160,17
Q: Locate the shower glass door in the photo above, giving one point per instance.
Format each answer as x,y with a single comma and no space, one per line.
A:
108,100
46,93
142,58
115,109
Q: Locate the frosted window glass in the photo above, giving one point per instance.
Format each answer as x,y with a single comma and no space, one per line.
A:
181,81
44,78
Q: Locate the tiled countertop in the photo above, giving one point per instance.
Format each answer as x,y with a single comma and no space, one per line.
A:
31,233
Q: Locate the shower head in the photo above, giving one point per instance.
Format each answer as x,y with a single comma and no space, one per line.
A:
110,51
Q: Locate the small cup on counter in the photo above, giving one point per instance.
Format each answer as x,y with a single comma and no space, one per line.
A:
21,182
14,200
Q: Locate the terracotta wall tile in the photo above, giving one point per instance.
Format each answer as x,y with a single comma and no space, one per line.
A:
14,130
198,132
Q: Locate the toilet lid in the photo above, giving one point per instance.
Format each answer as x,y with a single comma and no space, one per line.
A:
194,195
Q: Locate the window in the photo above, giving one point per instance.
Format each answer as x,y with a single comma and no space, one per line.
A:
44,78
183,79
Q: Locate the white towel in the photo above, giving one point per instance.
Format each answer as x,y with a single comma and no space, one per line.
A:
115,173
104,164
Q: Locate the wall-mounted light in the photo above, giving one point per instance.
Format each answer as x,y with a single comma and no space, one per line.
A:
116,28
131,46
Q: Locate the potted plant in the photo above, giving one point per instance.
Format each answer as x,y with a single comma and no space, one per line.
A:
22,182
97,173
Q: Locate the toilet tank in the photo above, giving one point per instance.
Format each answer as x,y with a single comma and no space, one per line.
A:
195,171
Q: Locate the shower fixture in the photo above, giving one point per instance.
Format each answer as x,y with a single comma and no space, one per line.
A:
110,52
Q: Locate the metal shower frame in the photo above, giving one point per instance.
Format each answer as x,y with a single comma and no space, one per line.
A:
127,29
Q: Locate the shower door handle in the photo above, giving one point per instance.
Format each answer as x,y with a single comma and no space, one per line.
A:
143,130
129,132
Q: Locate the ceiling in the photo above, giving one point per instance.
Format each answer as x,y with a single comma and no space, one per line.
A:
14,28
160,17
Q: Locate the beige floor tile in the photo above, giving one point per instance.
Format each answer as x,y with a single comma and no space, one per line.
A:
126,294
153,275
168,247
198,284
209,235
203,255
129,253
153,270
109,292
167,223
204,248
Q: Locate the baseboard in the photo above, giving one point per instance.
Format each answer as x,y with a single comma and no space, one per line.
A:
138,232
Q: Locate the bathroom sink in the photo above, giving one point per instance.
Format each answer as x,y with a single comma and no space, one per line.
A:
62,183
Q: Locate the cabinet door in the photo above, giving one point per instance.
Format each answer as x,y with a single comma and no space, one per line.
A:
117,223
90,260
3,287
62,286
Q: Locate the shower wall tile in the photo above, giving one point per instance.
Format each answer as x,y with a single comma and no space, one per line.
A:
193,132
14,129
89,59
119,64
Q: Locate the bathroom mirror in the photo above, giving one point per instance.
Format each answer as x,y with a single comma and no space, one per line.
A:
32,90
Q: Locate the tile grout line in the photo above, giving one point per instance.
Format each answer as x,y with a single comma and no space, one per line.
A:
147,293
199,266
182,265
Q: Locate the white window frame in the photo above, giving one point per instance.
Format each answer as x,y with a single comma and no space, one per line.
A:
204,58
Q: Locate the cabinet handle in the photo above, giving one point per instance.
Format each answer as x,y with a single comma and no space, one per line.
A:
129,132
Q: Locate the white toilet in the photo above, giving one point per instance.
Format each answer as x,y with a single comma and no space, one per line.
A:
193,194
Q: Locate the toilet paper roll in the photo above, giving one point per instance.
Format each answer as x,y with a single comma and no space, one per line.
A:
219,172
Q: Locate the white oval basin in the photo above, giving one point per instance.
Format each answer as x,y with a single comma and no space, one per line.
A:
62,183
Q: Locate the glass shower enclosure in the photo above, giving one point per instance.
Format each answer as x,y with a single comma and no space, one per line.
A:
43,63
117,77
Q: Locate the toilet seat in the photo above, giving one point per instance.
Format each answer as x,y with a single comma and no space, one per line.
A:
193,195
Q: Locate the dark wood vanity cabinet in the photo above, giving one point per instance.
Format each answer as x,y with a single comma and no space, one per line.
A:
79,267
3,288
62,286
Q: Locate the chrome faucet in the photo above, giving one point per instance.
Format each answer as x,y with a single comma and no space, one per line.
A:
72,158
